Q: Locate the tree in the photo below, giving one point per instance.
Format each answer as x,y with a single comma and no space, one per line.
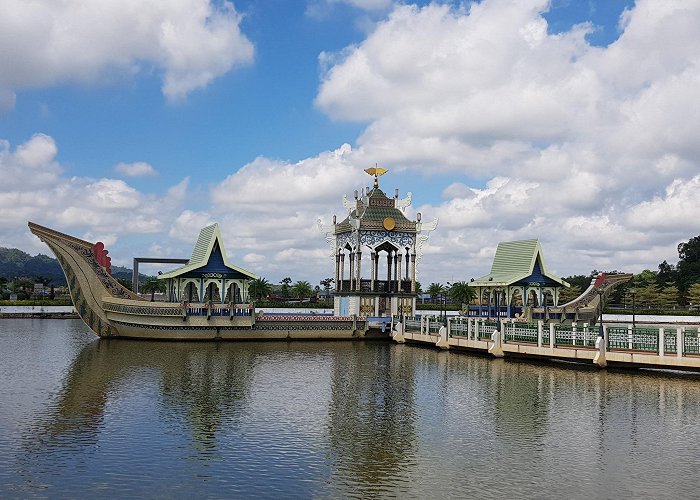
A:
435,290
419,289
667,273
644,279
569,294
302,289
153,285
462,293
126,283
647,296
668,296
285,285
260,288
688,268
327,283
694,294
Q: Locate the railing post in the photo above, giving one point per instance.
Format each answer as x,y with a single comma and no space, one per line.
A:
449,327
476,328
679,341
539,333
551,335
573,333
469,327
662,342
605,335
630,334
422,321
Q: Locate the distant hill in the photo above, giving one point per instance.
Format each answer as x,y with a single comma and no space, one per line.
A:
15,263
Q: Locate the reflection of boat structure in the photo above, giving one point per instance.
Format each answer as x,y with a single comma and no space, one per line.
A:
111,310
586,307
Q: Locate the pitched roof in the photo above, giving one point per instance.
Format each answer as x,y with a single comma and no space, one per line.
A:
515,261
371,214
209,238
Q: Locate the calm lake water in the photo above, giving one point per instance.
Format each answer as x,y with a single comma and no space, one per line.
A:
86,418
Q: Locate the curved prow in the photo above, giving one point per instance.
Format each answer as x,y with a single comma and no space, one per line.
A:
83,264
587,306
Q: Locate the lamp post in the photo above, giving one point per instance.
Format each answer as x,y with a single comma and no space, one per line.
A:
633,292
601,334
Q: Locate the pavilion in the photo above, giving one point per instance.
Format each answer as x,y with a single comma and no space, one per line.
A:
392,245
207,273
518,279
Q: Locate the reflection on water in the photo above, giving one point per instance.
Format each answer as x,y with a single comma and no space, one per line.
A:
81,417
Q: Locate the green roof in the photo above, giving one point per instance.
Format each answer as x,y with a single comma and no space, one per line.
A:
380,207
207,240
515,261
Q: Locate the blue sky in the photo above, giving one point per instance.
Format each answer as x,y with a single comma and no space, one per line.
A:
505,119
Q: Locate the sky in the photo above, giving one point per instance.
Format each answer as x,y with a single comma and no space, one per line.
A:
138,122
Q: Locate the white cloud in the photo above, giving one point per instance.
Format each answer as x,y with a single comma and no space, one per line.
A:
191,41
534,134
136,169
35,188
524,133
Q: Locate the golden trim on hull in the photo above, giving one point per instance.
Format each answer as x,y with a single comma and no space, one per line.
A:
110,310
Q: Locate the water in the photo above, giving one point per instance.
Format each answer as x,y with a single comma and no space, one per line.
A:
86,418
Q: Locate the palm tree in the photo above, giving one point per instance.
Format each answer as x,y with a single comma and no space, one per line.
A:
260,288
302,289
153,285
462,293
435,290
285,282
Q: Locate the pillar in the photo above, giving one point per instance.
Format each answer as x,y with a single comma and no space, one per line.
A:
342,269
352,270
399,257
413,272
373,259
388,269
337,271
359,271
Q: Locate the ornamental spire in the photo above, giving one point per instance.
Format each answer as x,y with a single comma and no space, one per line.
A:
376,172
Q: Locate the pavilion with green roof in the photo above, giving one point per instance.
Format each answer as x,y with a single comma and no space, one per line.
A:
208,273
376,250
518,279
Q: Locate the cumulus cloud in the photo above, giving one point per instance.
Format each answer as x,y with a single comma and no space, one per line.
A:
136,169
525,133
35,187
191,42
535,134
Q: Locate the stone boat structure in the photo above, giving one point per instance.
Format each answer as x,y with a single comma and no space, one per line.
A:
111,310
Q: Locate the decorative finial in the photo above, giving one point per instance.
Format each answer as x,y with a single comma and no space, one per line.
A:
376,172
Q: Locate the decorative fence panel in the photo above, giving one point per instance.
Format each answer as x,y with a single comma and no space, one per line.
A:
691,342
563,335
459,328
434,326
486,329
520,332
618,337
670,341
645,339
412,325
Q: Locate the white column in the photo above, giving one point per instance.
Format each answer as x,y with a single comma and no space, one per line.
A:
551,335
679,341
539,333
662,342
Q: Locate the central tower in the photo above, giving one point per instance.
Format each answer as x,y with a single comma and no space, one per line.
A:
376,238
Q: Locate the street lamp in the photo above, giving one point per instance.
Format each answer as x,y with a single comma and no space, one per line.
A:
633,292
600,305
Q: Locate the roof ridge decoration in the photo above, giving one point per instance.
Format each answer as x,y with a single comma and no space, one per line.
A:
207,240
